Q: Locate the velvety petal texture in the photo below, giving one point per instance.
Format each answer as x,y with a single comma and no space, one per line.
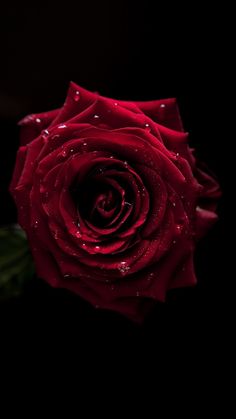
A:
112,199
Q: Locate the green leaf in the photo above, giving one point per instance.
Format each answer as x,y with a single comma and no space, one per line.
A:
16,263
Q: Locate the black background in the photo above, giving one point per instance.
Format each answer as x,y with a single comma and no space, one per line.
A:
126,51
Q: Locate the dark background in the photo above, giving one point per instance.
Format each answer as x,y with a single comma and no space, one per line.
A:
126,51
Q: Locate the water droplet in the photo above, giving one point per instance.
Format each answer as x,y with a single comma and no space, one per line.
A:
128,203
111,157
123,268
84,244
125,163
61,126
36,224
66,275
56,235
96,116
97,247
84,144
45,133
147,125
136,150
38,120
177,154
179,228
182,197
78,234
71,150
55,136
76,96
63,153
150,276
174,242
162,105
174,204
115,104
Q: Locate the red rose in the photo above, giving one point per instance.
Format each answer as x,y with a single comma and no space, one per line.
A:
111,199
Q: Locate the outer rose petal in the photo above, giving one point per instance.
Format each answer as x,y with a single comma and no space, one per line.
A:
32,125
164,112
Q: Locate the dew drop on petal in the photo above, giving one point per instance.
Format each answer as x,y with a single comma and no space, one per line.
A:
96,116
63,153
84,144
84,244
56,235
55,136
61,126
45,133
38,120
178,228
162,105
115,104
123,268
147,125
97,247
76,96
36,224
66,276
150,276
174,242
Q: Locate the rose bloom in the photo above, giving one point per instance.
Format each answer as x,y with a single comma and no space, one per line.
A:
112,200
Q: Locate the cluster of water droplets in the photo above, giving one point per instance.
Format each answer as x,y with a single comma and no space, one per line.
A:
124,268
